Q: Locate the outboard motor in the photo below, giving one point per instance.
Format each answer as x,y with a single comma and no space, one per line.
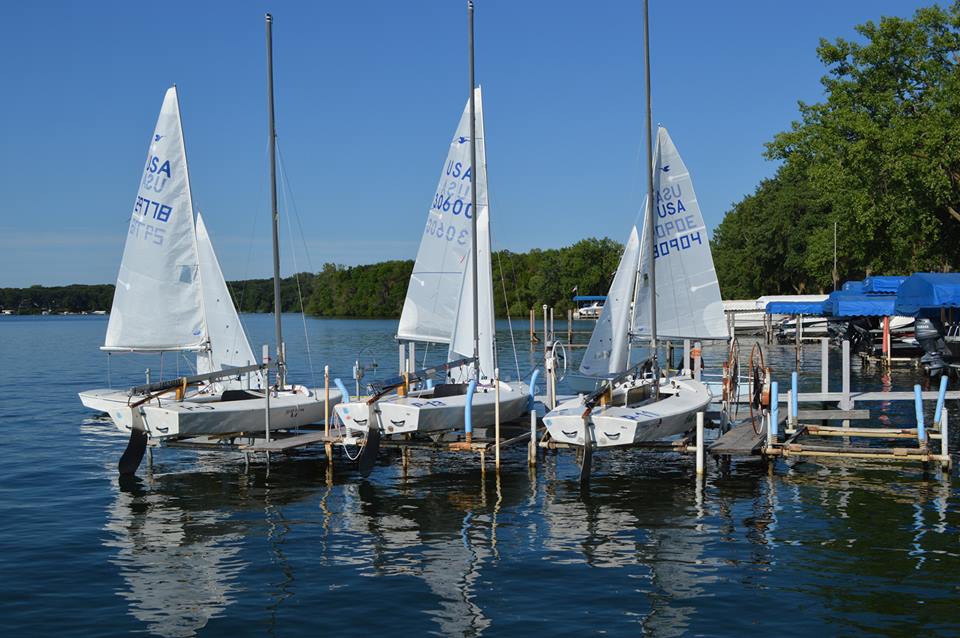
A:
929,333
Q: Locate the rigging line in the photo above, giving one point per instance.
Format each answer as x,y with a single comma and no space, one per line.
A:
296,211
287,195
506,303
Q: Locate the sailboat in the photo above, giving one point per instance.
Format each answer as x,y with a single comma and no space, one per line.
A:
450,302
635,404
439,307
171,296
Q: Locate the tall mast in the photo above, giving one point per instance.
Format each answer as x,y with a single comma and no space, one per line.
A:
473,202
650,202
275,215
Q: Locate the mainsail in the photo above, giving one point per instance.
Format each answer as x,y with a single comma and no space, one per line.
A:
688,293
607,352
158,304
433,294
229,347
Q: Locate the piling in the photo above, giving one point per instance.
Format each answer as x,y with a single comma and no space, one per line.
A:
327,446
266,361
532,447
944,442
569,325
533,335
496,417
700,444
824,365
918,406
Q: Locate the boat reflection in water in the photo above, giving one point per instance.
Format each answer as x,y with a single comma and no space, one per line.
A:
179,561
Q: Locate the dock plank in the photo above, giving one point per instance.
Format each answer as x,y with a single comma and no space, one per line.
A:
739,441
290,442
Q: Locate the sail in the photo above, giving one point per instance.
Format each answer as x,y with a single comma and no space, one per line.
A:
229,347
688,293
157,305
433,294
607,352
461,344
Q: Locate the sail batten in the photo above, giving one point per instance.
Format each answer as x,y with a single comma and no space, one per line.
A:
157,304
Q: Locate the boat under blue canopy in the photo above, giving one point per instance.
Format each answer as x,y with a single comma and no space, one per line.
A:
928,291
816,308
853,286
883,284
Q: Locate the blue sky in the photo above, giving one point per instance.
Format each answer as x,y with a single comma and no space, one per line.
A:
368,94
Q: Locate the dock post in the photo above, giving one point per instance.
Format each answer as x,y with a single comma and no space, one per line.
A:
944,442
940,398
794,397
686,356
791,421
553,333
846,404
533,337
546,325
532,448
569,325
327,446
699,444
496,416
824,365
411,356
697,360
403,358
468,410
669,355
774,413
885,343
266,361
918,405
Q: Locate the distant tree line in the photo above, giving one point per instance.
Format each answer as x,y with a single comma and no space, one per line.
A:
879,158
520,280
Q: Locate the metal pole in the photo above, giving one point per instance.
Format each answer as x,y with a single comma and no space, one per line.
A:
532,316
532,448
266,360
650,202
824,365
546,339
496,416
473,199
569,325
944,442
699,443
275,214
846,405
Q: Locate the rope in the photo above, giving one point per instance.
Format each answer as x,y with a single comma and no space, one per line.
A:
287,194
506,303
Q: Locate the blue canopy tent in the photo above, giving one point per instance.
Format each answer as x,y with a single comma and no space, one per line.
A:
853,287
884,285
843,303
590,298
816,308
928,291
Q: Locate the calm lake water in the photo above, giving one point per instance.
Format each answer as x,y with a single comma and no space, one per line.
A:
199,545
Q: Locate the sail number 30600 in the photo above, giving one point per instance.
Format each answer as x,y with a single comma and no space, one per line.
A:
436,228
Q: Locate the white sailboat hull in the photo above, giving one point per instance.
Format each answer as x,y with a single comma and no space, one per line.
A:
626,425
167,418
424,414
